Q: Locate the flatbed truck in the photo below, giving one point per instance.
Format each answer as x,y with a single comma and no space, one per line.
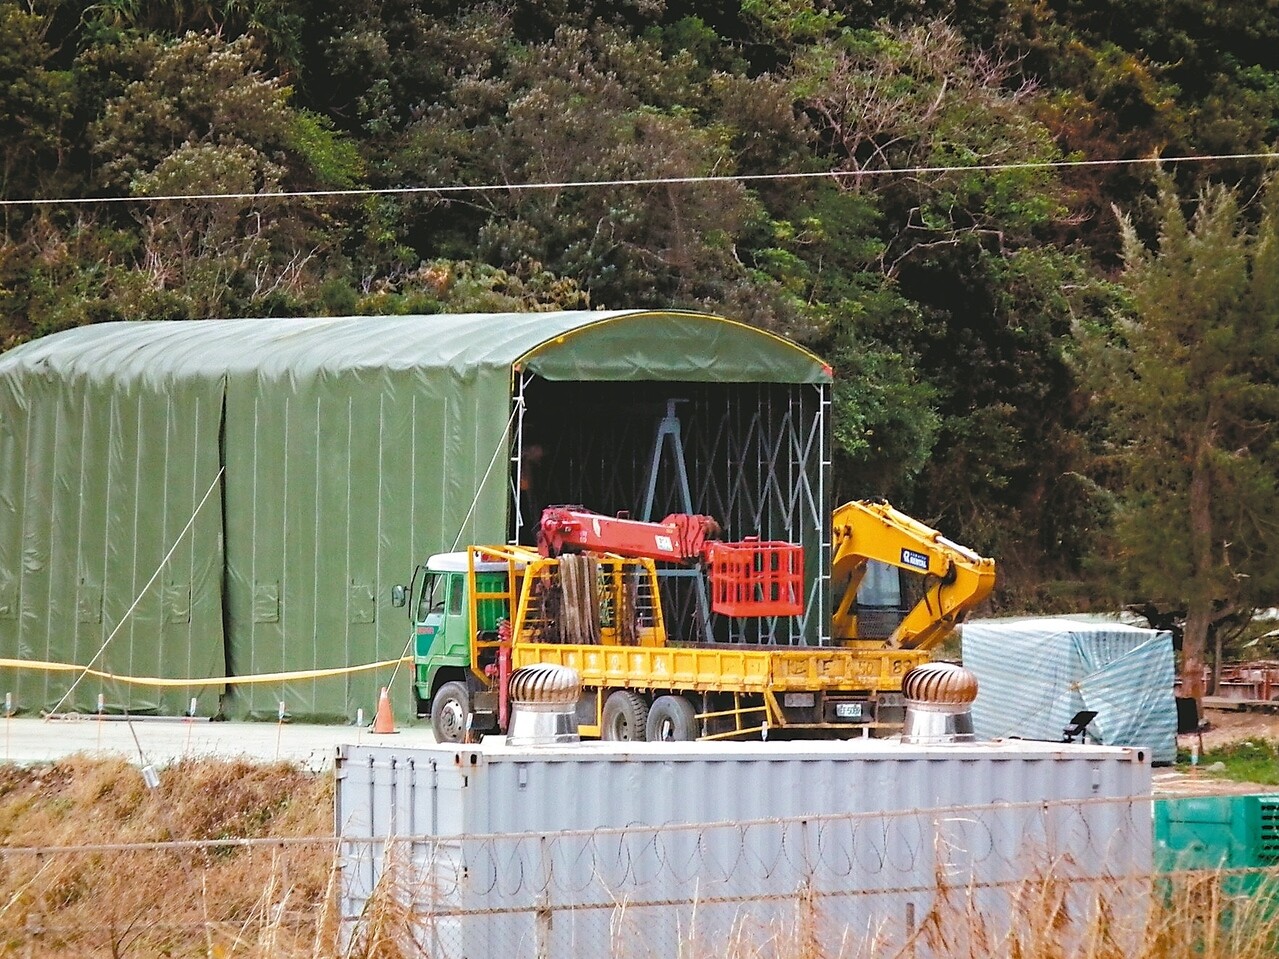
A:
479,614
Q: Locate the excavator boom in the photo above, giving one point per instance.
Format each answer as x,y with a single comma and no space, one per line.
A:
955,578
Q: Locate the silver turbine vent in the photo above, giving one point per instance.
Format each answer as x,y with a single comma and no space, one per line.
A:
543,705
939,699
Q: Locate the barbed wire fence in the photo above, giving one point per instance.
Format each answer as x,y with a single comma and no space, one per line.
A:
953,881
877,880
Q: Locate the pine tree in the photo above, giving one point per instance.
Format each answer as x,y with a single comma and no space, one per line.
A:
1193,395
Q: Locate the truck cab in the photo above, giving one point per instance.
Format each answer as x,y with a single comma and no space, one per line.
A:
450,683
440,636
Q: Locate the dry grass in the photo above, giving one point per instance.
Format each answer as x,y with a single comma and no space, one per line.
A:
1192,915
274,900
279,899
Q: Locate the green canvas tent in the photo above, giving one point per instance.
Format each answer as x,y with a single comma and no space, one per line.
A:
234,498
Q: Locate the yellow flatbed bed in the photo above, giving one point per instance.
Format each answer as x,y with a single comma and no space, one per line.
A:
725,668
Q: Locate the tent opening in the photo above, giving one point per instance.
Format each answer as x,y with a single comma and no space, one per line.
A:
751,455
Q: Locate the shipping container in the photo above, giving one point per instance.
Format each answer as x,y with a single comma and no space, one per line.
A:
637,849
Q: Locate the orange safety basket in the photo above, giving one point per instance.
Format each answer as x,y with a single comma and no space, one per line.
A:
754,578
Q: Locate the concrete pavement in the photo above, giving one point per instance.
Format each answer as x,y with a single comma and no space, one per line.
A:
161,742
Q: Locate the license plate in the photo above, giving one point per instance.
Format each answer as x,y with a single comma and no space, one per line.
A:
848,710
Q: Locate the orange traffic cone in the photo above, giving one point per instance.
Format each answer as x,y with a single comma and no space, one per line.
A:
384,721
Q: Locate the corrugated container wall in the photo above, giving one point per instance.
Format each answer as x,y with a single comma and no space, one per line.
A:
315,461
626,849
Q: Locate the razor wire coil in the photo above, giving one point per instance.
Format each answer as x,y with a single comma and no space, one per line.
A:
834,878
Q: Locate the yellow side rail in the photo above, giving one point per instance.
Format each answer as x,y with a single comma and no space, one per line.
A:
725,669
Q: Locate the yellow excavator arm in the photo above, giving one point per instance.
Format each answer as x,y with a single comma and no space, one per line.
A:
955,578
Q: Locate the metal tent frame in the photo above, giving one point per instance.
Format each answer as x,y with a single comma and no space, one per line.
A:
756,456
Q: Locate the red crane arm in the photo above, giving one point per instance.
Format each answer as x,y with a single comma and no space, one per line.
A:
679,538
750,578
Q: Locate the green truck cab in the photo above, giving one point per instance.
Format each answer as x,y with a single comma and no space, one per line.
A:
444,686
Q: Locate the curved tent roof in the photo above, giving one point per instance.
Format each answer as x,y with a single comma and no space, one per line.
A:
575,345
204,499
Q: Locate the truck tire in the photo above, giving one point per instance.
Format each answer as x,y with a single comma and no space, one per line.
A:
449,711
625,717
671,719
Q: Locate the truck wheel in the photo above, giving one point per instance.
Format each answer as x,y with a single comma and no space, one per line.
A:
625,716
449,709
671,720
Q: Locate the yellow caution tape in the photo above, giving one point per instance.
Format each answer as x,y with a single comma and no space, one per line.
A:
35,664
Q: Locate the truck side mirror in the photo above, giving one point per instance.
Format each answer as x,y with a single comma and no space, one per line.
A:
399,595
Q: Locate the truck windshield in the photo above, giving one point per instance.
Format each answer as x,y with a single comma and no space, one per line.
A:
432,598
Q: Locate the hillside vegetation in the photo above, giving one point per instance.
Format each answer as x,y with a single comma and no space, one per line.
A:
1069,367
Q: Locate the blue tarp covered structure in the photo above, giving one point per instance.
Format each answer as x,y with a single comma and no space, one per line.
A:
1034,675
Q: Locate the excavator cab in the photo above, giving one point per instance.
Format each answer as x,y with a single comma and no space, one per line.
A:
881,600
948,580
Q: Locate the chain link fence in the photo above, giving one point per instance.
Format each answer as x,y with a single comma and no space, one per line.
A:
825,884
1054,878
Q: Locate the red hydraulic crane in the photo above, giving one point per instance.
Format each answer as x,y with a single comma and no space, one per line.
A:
679,538
747,578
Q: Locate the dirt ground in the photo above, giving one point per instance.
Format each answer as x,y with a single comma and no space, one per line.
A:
1224,726
1228,726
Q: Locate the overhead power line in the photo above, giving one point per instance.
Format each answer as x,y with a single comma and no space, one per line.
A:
838,175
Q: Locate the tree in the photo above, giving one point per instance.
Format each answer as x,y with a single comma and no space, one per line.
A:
589,105
965,245
35,104
900,98
202,118
1190,386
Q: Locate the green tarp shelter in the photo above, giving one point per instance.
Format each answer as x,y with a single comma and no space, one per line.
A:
235,497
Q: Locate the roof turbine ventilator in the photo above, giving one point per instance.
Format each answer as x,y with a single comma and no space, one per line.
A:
544,705
939,702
